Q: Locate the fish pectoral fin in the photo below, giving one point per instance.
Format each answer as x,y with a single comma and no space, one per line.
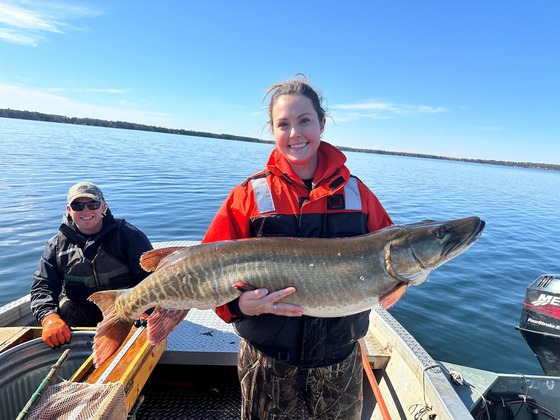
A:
150,260
244,287
162,321
393,296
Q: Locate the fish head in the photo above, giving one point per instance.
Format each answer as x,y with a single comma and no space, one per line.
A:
417,249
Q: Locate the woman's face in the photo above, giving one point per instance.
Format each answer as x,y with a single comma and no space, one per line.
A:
297,132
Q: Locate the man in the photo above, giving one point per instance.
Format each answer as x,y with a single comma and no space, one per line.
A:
91,251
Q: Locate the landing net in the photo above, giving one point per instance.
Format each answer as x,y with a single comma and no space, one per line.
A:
79,400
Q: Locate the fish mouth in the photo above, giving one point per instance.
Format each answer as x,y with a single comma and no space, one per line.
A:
477,231
438,242
459,243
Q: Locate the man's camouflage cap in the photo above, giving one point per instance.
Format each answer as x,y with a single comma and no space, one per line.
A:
85,189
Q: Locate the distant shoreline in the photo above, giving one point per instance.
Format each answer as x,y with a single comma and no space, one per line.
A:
37,116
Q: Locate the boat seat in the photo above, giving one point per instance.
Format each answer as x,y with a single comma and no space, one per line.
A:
12,336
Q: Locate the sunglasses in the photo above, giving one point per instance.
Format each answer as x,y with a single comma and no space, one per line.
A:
79,206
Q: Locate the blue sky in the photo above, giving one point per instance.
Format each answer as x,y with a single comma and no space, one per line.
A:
469,79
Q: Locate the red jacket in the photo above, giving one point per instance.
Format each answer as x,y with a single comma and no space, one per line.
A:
325,211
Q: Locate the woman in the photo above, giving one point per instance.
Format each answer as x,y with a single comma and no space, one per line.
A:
305,191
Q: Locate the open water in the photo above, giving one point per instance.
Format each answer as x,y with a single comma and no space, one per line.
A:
170,186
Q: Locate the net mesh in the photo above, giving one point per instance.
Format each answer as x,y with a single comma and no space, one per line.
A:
80,400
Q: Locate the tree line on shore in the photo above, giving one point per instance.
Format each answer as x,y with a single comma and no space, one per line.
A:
38,116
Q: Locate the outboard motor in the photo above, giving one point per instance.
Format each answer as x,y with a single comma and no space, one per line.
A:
540,322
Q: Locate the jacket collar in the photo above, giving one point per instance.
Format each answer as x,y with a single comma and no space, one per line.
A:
70,230
331,166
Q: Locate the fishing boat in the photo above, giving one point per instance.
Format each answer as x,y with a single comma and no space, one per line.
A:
192,374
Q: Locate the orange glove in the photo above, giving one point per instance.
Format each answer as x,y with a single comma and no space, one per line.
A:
56,332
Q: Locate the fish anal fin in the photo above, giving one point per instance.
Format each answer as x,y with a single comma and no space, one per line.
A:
111,331
162,321
393,296
244,287
110,334
150,260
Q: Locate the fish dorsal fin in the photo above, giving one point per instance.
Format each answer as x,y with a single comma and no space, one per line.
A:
151,260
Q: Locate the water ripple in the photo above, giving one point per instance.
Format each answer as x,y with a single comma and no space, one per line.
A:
171,186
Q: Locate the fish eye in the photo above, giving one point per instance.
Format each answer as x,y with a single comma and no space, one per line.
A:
440,233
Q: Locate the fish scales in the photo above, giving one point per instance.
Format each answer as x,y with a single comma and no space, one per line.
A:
281,262
332,277
203,277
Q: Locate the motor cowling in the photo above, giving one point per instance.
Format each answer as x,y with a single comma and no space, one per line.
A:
540,321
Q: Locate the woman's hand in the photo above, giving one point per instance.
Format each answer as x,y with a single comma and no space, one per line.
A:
259,301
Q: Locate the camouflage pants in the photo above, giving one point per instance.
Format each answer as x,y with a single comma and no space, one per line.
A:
269,388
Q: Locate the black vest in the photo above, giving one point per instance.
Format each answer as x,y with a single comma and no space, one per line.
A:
82,276
306,341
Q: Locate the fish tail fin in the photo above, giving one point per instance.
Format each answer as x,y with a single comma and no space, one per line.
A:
162,321
111,331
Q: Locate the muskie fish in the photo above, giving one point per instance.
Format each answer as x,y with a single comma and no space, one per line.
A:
332,277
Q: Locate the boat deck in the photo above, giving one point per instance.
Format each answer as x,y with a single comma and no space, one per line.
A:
196,376
203,392
189,392
201,339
